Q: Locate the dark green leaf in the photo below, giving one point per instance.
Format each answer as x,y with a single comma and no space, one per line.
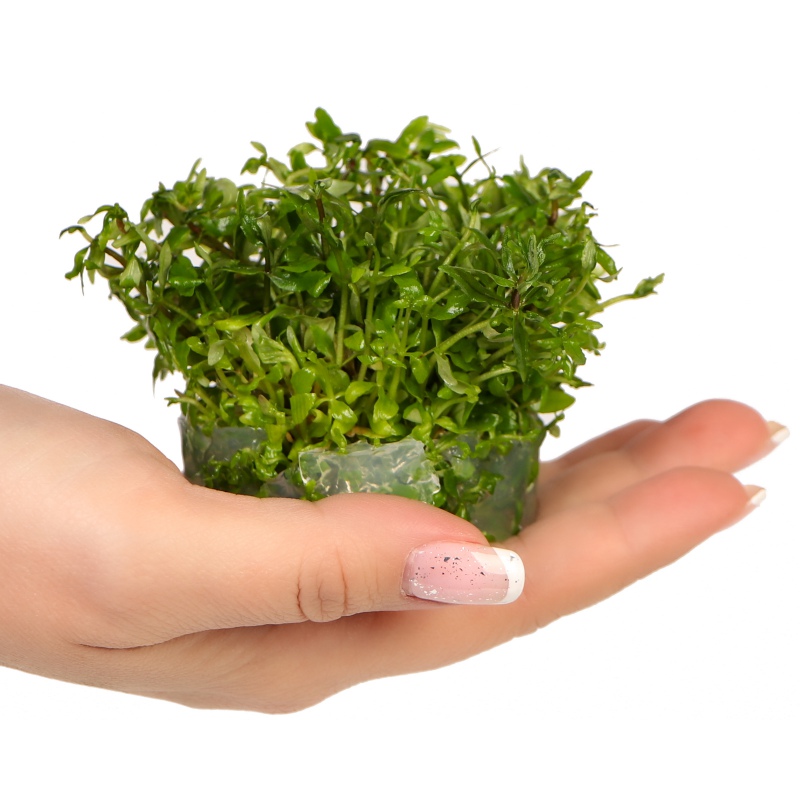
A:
183,276
392,149
647,286
313,282
396,195
468,281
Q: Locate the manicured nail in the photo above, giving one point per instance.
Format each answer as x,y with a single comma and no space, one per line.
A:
464,574
777,433
755,495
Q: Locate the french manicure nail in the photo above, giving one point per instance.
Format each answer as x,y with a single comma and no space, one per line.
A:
777,432
464,574
755,495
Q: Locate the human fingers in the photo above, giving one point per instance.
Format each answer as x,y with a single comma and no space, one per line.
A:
604,443
573,560
719,434
585,554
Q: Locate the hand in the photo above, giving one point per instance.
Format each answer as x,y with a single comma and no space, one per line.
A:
116,572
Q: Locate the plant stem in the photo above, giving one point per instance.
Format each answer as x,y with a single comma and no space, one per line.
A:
368,326
596,309
441,295
464,332
423,332
267,286
116,256
450,258
494,373
344,308
400,369
204,238
177,310
498,354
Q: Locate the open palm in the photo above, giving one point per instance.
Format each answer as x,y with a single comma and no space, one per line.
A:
116,572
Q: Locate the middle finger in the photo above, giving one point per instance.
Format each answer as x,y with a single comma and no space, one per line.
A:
718,434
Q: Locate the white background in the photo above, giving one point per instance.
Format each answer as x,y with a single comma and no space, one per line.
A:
685,685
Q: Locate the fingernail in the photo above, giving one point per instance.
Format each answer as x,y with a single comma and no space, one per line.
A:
777,433
464,574
755,495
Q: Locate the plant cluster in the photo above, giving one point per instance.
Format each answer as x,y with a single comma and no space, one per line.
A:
363,291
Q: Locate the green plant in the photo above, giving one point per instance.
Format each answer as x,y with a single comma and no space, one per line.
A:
363,292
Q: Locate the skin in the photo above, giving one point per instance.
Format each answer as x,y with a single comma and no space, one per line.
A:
116,572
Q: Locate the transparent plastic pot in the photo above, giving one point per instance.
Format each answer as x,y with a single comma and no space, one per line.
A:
399,468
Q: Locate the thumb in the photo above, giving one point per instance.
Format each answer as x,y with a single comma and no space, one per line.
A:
212,560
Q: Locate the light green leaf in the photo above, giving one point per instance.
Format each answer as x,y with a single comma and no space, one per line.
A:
303,381
164,262
132,274
340,188
342,411
420,368
589,255
355,341
450,380
236,323
385,408
301,405
357,389
554,400
216,353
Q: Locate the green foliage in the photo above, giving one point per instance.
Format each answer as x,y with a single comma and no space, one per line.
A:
362,292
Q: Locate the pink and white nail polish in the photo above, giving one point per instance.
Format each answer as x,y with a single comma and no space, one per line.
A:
464,574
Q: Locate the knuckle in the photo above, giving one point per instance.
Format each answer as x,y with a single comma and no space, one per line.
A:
323,587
